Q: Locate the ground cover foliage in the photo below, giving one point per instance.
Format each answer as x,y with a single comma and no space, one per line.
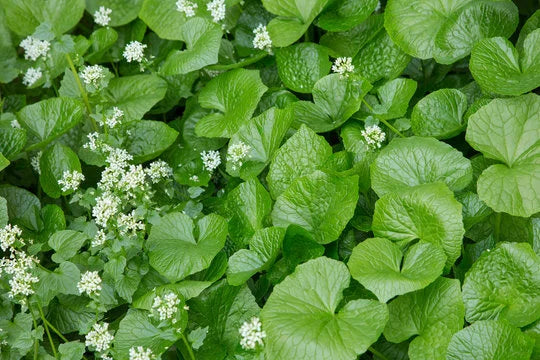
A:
270,179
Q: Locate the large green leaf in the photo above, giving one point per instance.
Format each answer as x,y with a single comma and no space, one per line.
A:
48,119
264,247
63,280
504,284
23,206
508,130
499,68
300,66
320,203
301,321
53,163
235,95
66,244
123,11
162,17
440,114
12,141
23,16
302,154
490,340
386,271
427,212
419,160
335,100
203,39
392,99
175,250
434,314
343,15
147,139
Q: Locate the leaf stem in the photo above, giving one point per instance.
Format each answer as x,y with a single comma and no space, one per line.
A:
188,346
36,343
47,330
245,62
377,353
388,125
81,90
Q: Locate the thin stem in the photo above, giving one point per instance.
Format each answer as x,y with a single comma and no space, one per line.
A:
376,353
47,330
55,330
81,90
245,62
36,343
188,346
388,125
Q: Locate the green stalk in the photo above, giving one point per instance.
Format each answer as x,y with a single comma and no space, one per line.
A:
248,61
36,343
396,131
376,353
81,90
188,346
47,330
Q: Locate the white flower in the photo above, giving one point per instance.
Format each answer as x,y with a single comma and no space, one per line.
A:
31,76
128,223
237,153
19,266
93,141
9,235
90,283
251,334
373,136
217,9
167,307
118,158
35,48
211,160
99,239
187,7
140,353
15,124
134,51
115,117
158,170
71,180
194,178
34,162
107,206
99,337
134,179
93,75
101,16
343,66
262,39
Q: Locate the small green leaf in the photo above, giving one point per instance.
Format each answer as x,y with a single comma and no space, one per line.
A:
63,280
53,163
123,11
102,39
23,206
12,141
393,99
385,270
72,350
303,306
66,244
147,139
4,219
344,15
3,162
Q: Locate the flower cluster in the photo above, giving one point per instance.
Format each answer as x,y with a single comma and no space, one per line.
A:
9,235
107,206
134,51
140,353
343,66
94,76
20,266
217,9
373,136
166,306
35,48
262,39
31,76
114,118
237,154
99,239
252,334
93,141
187,7
158,170
99,337
71,180
211,160
90,283
102,16
127,223
34,162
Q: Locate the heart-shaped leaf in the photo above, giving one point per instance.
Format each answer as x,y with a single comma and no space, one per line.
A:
54,162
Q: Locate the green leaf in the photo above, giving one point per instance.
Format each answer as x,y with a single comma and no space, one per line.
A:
202,38
427,212
507,130
23,206
72,350
504,284
135,95
12,141
123,11
320,203
223,309
490,340
263,134
53,163
66,244
499,68
175,252
417,160
264,247
162,17
249,204
303,307
386,271
344,15
63,280
235,94
71,313
393,99
293,19
335,100
4,219
48,119
136,330
530,25
102,39
300,66
23,16
302,154
440,114
434,314
187,289
3,162
147,139
19,333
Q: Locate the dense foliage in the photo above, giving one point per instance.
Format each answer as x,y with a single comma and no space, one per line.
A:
270,179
